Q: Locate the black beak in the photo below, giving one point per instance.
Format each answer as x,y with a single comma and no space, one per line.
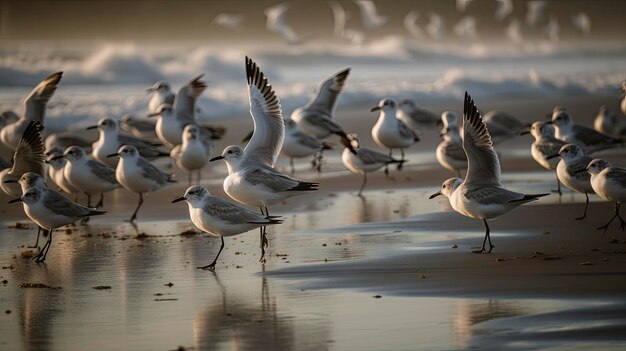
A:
10,181
56,158
179,199
113,155
552,156
216,158
149,90
15,200
153,114
524,132
92,127
550,122
435,195
375,108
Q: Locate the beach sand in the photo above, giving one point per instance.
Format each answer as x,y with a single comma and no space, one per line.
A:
389,270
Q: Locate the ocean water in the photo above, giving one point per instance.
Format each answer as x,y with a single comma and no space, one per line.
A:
110,79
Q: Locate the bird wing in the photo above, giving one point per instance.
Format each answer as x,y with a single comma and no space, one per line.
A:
483,166
406,132
273,180
326,94
60,204
35,102
309,141
103,172
29,154
456,152
369,156
185,100
269,126
230,212
150,171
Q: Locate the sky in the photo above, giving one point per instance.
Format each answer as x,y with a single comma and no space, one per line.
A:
164,20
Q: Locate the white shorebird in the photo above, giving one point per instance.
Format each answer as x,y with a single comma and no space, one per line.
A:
298,144
162,94
587,138
192,154
365,160
138,175
607,122
582,22
139,127
544,147
570,171
370,18
28,157
218,217
316,117
502,126
89,176
414,116
481,195
449,152
610,184
56,171
389,132
67,139
251,179
111,139
172,119
51,210
34,110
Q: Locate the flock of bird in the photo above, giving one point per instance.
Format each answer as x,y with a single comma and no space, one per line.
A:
121,160
432,26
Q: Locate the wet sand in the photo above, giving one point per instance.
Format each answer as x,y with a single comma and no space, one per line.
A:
344,272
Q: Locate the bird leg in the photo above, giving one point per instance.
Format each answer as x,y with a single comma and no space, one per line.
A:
88,200
558,187
586,205
293,168
616,215
487,238
263,235
134,216
41,256
36,242
211,266
402,159
101,202
363,184
320,161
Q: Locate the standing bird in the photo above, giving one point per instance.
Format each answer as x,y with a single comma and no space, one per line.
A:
316,117
111,139
587,138
544,146
414,116
28,157
610,184
138,175
365,160
192,154
87,175
218,217
449,152
162,94
51,210
298,144
502,126
570,171
389,132
56,171
481,195
34,110
607,122
139,127
172,119
251,179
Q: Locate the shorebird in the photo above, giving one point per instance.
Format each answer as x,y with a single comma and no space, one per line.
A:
607,122
56,171
298,144
28,157
316,117
449,152
544,146
138,175
481,195
142,128
218,217
587,138
365,160
414,116
89,176
610,184
51,210
192,154
502,126
569,171
34,110
162,94
389,132
251,179
111,139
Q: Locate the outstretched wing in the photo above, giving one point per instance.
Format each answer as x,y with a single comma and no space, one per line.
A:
269,126
483,166
326,95
185,100
35,102
28,156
